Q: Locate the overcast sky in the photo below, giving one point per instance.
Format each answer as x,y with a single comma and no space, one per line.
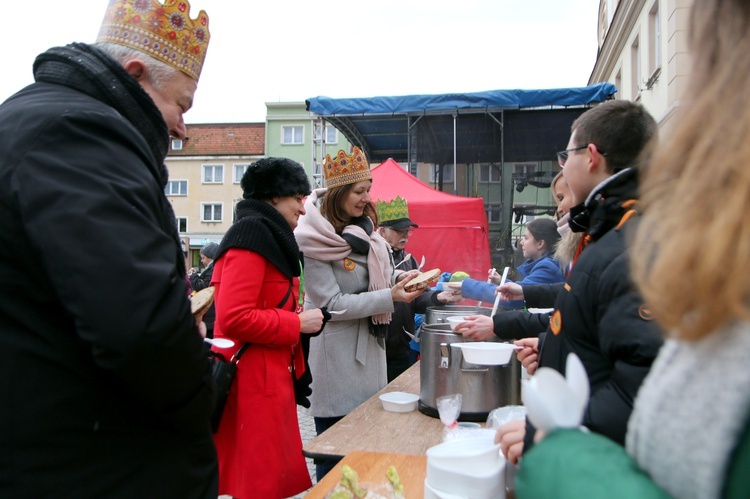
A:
295,49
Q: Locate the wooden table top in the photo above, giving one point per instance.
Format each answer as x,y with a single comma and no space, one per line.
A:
371,428
371,468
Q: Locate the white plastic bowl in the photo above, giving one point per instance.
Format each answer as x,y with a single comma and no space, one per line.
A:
486,353
454,321
481,484
472,455
399,401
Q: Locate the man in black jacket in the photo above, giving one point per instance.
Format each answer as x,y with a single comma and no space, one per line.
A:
396,227
598,314
105,385
202,280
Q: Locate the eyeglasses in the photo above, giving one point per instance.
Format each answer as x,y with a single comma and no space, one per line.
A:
562,156
403,232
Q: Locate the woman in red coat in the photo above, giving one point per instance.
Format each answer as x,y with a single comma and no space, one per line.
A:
256,276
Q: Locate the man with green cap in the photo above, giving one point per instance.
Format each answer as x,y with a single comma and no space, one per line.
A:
396,227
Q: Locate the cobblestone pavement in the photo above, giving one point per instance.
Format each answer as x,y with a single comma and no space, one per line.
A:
307,430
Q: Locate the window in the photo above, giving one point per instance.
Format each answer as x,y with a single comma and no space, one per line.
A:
524,168
176,144
635,68
489,172
331,134
213,174
176,188
234,209
618,83
447,173
239,170
212,212
654,39
182,224
292,134
493,212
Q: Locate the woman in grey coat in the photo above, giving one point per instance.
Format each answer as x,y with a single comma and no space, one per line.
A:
348,269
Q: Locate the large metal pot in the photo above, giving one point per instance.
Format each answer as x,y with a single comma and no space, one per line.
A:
443,371
437,315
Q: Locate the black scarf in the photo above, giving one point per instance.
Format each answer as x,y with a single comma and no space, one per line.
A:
358,245
262,229
89,70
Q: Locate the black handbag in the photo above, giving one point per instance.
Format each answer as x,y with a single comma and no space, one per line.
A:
223,372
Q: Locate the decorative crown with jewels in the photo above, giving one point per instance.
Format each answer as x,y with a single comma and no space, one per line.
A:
344,169
395,209
165,32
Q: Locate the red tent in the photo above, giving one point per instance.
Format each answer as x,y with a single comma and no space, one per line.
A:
453,231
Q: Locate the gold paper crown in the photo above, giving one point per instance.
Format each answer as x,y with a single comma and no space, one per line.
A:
165,32
343,169
393,210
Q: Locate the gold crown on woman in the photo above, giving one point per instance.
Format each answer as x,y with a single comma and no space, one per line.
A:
344,169
165,32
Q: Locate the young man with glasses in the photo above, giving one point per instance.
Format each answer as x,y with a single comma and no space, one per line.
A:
598,315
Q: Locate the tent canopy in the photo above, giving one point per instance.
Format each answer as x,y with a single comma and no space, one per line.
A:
452,233
536,123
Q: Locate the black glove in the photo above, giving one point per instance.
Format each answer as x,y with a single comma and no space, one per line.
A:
302,388
326,318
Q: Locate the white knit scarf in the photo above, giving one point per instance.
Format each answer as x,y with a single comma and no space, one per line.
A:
318,239
691,412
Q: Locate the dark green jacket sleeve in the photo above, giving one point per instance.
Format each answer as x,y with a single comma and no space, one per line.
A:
572,464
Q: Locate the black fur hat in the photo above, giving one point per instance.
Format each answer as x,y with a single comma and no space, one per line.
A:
274,177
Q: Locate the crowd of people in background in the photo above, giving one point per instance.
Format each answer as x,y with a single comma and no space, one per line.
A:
107,387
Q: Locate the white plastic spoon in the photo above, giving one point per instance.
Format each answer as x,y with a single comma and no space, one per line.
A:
551,402
497,298
489,280
219,342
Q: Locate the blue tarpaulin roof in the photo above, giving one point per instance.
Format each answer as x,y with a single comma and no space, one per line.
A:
535,123
492,99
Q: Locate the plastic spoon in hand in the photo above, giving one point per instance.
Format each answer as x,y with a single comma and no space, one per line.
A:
337,312
497,298
421,264
219,342
489,280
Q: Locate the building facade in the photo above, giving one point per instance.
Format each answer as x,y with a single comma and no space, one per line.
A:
643,50
204,179
291,132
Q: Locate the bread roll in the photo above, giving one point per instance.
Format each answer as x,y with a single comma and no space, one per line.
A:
423,280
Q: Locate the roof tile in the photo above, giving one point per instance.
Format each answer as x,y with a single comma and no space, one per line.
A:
223,139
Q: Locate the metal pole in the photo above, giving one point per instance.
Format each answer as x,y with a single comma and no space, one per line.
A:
455,188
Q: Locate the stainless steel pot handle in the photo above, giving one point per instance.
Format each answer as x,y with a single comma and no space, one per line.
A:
445,355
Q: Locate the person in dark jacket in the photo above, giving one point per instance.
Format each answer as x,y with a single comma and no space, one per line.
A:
598,314
106,387
396,227
202,280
